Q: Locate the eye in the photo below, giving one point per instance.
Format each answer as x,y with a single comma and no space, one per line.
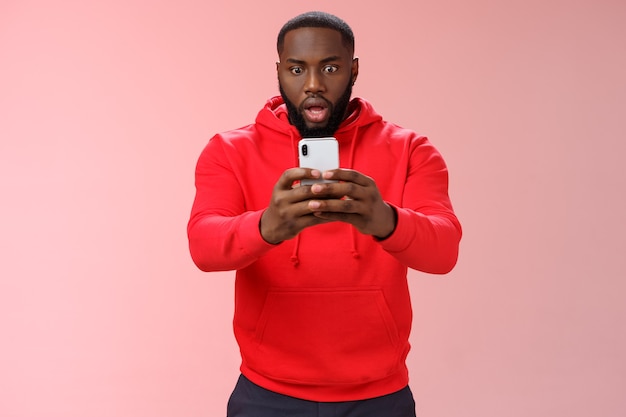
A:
296,70
329,69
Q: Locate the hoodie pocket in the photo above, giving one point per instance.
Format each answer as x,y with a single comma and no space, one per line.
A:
331,336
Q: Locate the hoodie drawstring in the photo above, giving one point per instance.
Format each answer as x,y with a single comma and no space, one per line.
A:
353,248
294,258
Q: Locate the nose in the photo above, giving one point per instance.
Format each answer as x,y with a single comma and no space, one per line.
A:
314,83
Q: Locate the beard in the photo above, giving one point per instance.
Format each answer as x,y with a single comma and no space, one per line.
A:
337,115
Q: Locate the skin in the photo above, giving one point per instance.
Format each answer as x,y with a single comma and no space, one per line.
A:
315,63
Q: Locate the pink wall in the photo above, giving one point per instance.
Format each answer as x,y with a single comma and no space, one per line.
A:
105,106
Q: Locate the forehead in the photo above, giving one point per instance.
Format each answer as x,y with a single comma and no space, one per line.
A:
313,43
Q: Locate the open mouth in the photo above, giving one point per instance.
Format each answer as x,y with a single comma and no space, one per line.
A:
315,110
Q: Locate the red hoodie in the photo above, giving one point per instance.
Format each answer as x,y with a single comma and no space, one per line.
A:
325,316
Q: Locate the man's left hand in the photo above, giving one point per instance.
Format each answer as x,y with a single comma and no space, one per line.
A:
353,199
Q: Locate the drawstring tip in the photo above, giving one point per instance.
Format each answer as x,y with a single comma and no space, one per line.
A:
356,255
294,260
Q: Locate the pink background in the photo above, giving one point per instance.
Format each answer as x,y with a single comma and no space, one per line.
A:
106,105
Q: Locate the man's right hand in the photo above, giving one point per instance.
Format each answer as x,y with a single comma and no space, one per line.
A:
288,212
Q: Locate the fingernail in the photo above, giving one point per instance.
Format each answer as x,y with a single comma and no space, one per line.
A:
314,204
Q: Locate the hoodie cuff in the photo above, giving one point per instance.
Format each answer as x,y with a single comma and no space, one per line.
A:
395,224
250,239
402,235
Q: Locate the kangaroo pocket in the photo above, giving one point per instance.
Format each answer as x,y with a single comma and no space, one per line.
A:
331,336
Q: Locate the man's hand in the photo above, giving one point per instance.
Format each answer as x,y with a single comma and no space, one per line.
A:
289,212
354,199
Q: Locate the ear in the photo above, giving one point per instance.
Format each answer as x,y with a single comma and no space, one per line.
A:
277,65
355,69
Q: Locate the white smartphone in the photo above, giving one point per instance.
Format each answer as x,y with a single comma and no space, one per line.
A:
318,153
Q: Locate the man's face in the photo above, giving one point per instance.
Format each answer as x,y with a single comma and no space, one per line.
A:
315,75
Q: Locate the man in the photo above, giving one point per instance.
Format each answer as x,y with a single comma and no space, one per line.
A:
322,307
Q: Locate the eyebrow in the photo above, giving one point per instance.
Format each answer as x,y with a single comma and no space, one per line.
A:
323,61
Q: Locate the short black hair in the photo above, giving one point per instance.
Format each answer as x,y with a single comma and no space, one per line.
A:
317,20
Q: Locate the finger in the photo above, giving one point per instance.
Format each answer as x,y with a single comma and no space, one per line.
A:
345,206
354,219
307,220
339,191
289,176
348,175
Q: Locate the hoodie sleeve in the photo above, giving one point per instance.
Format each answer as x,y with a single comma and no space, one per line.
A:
222,234
427,233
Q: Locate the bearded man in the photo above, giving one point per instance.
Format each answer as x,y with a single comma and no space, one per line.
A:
322,306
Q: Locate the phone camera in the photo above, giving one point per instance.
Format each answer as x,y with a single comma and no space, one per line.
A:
305,150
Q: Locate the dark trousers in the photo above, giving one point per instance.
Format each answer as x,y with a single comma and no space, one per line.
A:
250,400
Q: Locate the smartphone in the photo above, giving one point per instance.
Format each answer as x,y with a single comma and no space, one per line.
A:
318,153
